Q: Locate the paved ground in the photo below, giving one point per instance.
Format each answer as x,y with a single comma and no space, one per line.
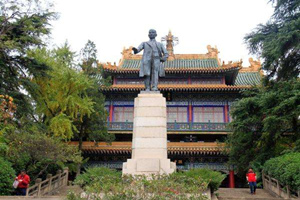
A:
223,194
31,198
64,191
59,195
243,194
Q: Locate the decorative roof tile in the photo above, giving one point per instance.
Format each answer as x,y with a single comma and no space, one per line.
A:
248,78
131,68
176,64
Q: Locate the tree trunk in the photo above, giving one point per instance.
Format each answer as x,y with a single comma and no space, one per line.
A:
80,135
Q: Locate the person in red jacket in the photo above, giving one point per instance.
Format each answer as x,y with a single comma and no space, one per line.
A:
24,181
251,178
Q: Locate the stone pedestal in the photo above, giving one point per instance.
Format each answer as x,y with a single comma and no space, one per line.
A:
149,140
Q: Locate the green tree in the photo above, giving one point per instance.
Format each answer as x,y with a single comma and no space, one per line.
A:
278,41
38,153
23,26
265,123
61,95
93,126
266,120
7,175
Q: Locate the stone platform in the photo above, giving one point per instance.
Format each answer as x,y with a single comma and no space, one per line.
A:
149,141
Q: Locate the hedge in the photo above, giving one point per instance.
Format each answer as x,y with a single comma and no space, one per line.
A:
182,185
286,169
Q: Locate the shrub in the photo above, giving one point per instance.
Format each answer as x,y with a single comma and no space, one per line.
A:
7,176
213,178
97,174
182,185
286,169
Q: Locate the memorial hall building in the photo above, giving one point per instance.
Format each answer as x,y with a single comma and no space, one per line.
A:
200,91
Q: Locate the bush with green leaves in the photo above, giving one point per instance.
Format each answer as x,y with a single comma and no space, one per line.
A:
213,178
7,176
103,183
97,174
286,169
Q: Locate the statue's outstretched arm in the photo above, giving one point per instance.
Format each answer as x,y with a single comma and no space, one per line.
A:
140,48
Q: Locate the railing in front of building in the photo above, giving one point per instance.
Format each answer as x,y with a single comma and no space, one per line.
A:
175,126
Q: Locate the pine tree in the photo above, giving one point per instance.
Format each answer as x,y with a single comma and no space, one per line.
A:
23,26
278,41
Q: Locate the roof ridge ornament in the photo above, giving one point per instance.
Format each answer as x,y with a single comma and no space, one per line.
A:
255,66
213,53
127,53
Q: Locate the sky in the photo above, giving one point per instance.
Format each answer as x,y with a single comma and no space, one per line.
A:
115,24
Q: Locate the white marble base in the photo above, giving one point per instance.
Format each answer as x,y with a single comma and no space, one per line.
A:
149,142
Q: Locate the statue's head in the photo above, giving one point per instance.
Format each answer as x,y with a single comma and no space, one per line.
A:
152,34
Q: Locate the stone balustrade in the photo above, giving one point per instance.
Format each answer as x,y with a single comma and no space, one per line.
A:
273,186
50,185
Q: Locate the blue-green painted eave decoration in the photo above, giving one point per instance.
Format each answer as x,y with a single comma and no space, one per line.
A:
177,64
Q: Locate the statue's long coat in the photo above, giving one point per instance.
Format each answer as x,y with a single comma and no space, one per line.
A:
146,61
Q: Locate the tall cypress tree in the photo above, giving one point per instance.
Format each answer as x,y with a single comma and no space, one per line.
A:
266,120
23,25
278,41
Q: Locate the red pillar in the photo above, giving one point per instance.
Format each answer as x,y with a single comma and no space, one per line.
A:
111,109
190,113
227,107
226,113
231,179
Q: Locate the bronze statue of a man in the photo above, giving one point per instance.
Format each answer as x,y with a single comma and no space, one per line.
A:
151,65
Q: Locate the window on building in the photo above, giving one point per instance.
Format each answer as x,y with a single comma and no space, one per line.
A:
121,114
179,114
206,114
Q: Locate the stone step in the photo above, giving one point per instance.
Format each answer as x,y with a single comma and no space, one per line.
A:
65,190
243,193
58,195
